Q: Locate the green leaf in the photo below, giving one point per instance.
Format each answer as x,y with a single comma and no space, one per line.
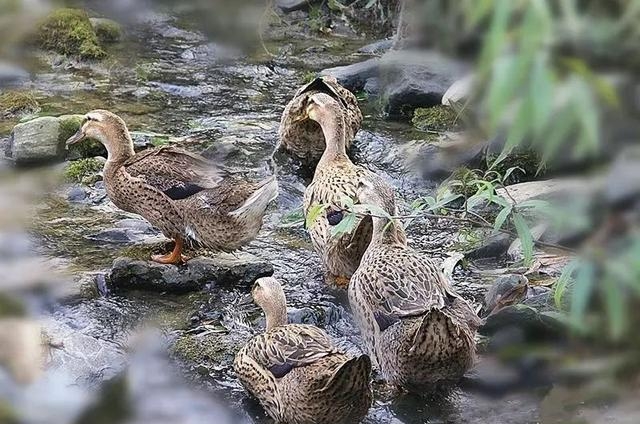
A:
525,236
313,214
616,306
563,282
502,217
581,292
345,226
439,204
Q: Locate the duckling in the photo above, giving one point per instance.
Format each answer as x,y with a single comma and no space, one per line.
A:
416,328
296,371
336,178
178,192
304,138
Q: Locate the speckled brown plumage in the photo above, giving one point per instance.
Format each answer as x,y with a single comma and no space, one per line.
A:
304,138
297,373
178,192
337,178
416,328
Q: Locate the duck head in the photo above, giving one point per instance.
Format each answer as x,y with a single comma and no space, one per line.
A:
269,295
109,129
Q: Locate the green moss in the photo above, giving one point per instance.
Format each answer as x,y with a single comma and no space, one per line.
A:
69,32
309,76
10,307
528,161
88,148
460,181
77,170
14,103
436,118
108,31
196,350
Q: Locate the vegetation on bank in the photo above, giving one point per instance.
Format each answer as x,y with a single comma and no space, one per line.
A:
77,170
14,103
70,32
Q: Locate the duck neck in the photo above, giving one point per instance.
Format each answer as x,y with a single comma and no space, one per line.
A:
333,128
119,150
276,314
386,232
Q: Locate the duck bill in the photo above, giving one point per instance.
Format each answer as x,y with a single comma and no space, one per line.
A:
77,137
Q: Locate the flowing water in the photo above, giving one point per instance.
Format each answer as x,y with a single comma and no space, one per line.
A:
168,78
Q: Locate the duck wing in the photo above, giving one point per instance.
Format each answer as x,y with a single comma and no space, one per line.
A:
399,284
176,172
291,346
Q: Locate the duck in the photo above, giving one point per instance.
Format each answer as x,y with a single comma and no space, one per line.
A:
419,332
335,183
296,372
181,193
304,138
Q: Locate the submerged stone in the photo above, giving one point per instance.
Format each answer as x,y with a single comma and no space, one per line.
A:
225,269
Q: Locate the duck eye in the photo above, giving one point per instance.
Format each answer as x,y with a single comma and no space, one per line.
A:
334,217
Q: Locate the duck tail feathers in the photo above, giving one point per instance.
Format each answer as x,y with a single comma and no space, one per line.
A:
257,203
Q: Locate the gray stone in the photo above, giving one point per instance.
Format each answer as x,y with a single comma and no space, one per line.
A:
372,87
408,79
459,91
413,79
377,47
12,75
35,141
492,247
503,285
76,194
354,77
240,269
292,5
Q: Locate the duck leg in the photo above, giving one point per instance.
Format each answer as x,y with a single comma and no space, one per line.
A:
175,257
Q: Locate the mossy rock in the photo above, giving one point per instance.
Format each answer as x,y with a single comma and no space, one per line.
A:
106,30
14,103
10,307
69,32
210,349
436,118
78,170
89,148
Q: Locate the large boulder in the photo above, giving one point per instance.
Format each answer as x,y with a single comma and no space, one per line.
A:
35,141
408,79
239,269
69,32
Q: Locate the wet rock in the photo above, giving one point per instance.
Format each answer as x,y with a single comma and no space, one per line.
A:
76,194
622,186
408,79
34,142
293,5
210,52
377,47
492,247
126,231
12,75
179,90
242,269
354,77
372,87
501,287
415,79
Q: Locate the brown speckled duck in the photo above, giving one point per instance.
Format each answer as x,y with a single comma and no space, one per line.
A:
337,178
416,328
297,373
304,138
178,192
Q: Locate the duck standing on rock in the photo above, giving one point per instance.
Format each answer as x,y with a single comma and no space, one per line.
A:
337,178
417,329
304,138
178,192
297,373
